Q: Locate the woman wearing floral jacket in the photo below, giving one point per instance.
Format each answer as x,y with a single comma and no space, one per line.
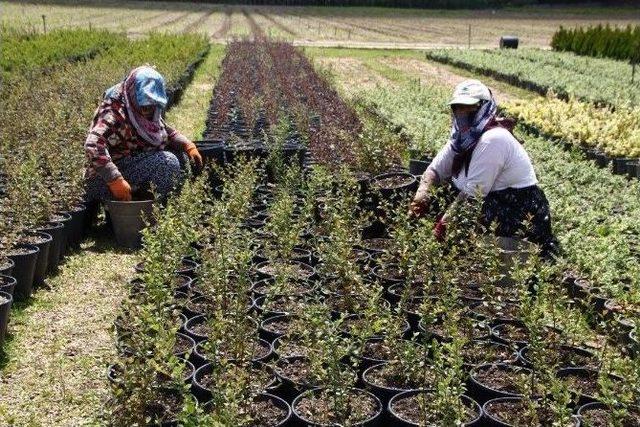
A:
129,143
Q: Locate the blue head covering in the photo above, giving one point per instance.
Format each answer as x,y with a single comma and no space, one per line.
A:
143,86
150,88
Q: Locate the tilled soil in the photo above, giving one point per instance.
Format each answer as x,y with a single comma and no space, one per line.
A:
512,332
265,414
4,263
587,385
293,270
296,370
392,182
390,376
416,409
377,243
182,345
254,349
320,409
260,379
602,418
505,380
476,353
517,414
428,71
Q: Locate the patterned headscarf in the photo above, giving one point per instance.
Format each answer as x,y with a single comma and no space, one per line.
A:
143,86
466,137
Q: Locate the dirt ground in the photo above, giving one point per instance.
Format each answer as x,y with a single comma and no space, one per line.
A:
314,26
429,71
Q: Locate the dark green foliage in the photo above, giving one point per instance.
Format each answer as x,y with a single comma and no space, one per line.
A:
600,41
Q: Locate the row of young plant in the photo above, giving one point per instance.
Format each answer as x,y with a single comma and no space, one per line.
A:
611,133
264,83
600,41
594,213
25,52
43,124
596,80
300,311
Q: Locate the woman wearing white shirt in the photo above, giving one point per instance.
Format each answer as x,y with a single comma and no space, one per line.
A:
484,159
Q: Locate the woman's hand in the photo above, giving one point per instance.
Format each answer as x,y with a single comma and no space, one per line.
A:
419,205
120,189
193,153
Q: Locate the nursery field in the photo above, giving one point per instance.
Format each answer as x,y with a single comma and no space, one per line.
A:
286,284
326,26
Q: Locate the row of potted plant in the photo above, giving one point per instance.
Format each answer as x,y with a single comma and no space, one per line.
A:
288,290
42,209
264,83
593,211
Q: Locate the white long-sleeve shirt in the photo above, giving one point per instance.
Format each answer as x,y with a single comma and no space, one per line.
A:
498,161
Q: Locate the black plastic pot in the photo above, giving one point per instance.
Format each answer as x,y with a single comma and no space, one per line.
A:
259,302
7,284
488,343
56,231
498,334
397,420
289,388
191,308
494,421
42,262
201,358
185,354
583,397
76,225
23,271
244,151
302,420
188,327
304,287
382,274
189,268
583,412
479,331
212,151
620,165
6,299
417,167
577,287
203,394
270,335
309,274
481,392
383,393
285,421
583,352
395,192
64,219
7,270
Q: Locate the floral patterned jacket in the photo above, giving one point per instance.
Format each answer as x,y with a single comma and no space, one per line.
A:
112,137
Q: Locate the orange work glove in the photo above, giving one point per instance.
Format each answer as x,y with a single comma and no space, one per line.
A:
193,153
120,189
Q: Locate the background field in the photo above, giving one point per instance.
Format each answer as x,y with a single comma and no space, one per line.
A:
314,26
52,371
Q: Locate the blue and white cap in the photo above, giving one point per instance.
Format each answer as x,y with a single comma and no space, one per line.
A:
470,92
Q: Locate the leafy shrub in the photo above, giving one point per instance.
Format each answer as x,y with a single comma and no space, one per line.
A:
600,41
